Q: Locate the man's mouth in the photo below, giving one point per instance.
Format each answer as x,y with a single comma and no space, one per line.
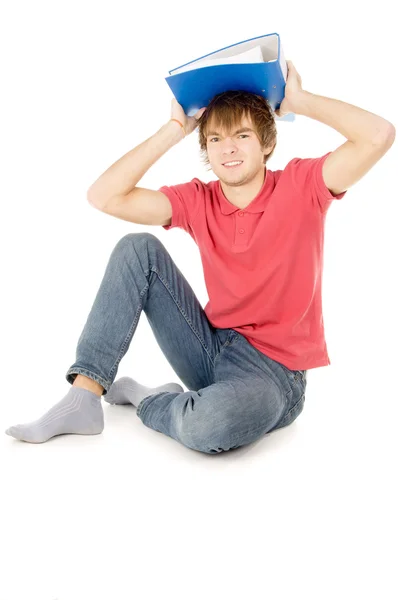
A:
232,164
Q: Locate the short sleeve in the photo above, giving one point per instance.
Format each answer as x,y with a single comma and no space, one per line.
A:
308,179
185,199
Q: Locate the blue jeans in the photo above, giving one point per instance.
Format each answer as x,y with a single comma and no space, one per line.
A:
236,393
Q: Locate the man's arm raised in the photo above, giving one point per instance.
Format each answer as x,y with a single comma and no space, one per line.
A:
116,193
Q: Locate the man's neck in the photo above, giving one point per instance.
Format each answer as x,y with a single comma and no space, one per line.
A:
242,195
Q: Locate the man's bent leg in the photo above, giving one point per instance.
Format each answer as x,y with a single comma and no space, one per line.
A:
220,417
140,274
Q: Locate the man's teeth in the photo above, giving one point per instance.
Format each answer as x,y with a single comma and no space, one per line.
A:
237,162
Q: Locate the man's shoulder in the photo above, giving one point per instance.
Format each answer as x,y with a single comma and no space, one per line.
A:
297,168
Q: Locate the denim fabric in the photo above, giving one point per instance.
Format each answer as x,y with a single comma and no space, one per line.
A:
236,393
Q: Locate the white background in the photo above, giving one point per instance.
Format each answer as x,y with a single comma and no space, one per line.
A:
308,511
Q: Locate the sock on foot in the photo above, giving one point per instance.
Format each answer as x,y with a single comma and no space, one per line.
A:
80,411
127,391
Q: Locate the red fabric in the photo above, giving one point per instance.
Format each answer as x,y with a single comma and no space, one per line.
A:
263,264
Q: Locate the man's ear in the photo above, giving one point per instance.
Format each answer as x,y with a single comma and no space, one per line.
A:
268,149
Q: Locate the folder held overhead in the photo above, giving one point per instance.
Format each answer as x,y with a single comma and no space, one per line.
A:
256,65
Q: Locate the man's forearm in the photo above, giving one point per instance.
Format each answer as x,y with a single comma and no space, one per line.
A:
124,174
353,123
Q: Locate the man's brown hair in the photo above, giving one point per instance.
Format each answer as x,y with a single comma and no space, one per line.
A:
227,109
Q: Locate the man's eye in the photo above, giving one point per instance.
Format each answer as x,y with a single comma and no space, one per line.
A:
242,134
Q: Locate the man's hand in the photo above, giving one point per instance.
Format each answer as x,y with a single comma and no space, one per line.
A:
189,123
293,90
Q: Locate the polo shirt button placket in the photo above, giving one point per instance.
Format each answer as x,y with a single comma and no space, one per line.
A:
241,214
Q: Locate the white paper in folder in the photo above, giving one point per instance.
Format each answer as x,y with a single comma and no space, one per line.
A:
254,55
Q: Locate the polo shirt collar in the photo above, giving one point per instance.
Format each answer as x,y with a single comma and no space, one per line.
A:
257,205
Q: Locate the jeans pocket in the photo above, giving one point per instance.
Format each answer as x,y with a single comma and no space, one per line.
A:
295,376
232,336
227,338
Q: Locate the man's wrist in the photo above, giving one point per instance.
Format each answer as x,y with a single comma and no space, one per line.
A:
300,102
175,130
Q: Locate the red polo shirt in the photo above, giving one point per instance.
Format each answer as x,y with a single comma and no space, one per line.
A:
263,264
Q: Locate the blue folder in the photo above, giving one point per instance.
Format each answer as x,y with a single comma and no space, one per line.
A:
195,87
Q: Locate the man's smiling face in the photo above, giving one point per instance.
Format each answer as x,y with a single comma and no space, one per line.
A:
242,146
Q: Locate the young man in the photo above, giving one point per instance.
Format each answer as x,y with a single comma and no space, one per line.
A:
244,358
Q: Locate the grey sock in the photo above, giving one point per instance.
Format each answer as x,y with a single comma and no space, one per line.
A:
127,391
80,411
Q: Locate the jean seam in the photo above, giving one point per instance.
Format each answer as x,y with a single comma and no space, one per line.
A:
291,409
128,337
180,308
294,378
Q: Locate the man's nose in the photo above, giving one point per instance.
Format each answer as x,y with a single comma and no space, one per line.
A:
228,145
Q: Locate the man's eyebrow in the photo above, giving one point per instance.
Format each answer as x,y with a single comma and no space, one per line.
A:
241,130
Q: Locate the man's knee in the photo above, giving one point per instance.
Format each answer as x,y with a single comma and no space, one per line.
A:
137,238
140,241
206,436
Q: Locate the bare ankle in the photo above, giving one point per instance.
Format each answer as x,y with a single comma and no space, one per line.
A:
88,384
